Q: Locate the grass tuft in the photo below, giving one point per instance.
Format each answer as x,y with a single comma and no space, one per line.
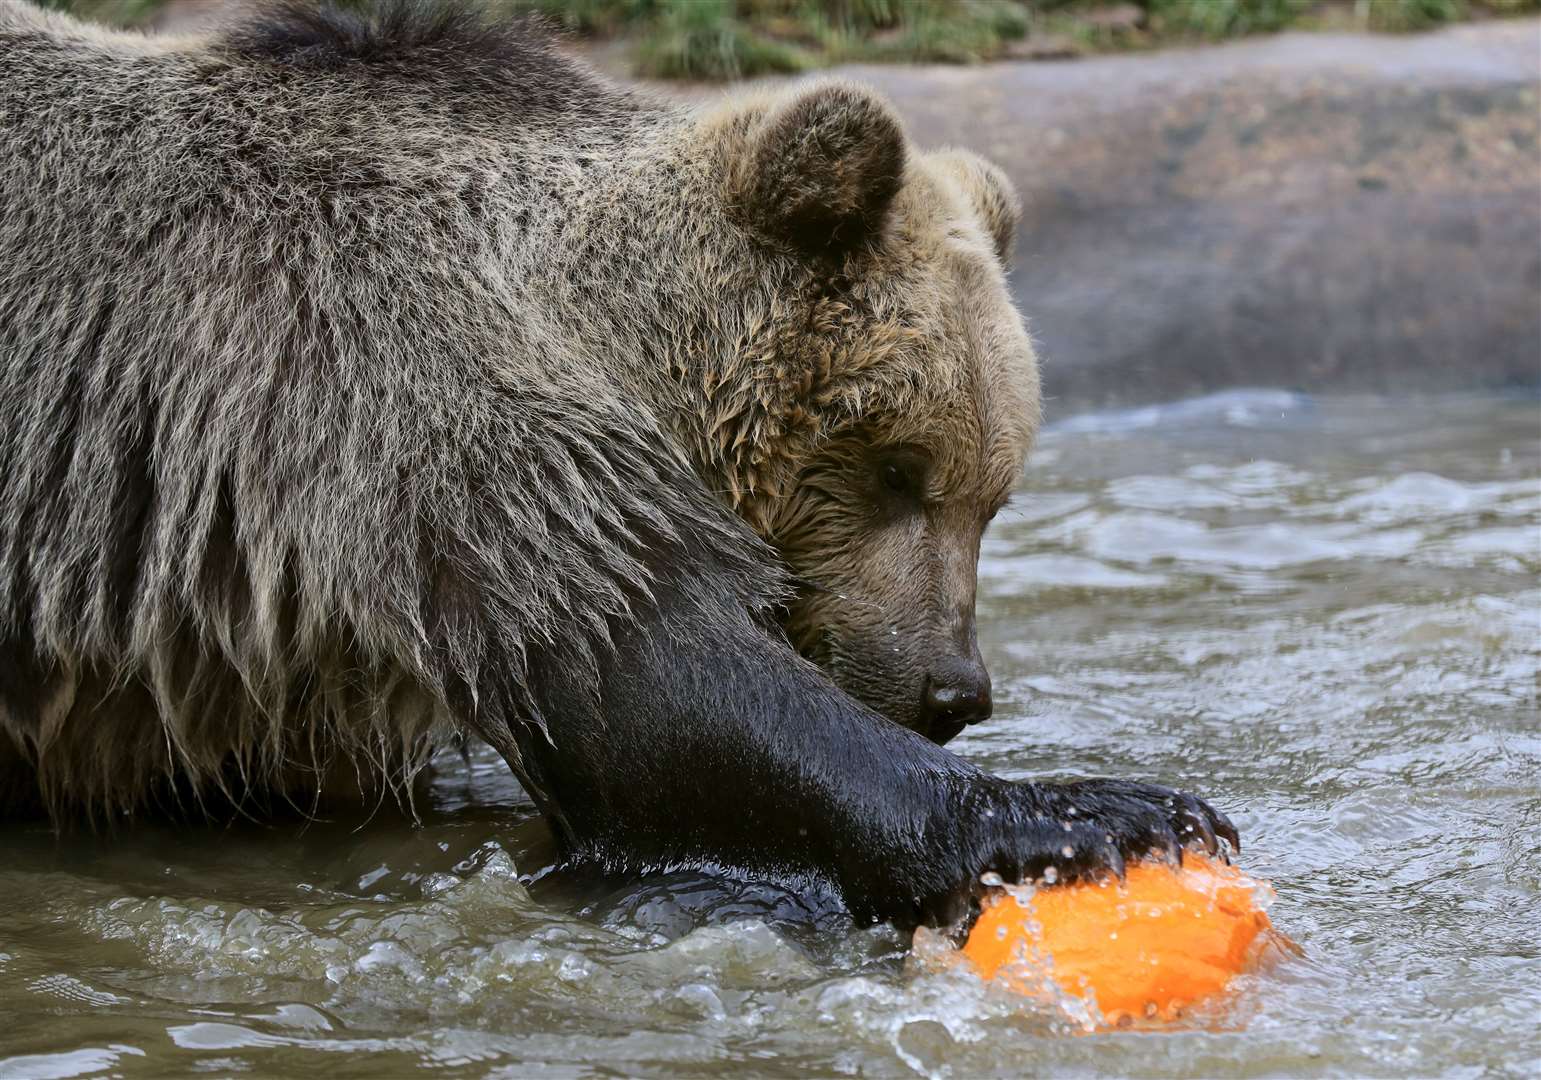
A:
1404,16
1223,18
112,12
704,39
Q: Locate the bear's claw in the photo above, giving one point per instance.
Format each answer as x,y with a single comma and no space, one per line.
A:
1146,817
1085,831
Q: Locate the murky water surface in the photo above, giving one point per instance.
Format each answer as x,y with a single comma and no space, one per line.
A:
1324,615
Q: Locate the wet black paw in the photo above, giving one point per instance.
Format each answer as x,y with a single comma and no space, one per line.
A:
1142,820
1086,831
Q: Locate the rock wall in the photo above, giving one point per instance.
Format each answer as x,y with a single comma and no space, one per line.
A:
1323,212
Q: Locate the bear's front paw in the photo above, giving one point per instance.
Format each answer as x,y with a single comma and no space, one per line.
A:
1028,832
1143,819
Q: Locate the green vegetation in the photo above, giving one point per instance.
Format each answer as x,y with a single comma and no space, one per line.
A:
116,12
1223,18
1415,14
707,39
1142,23
717,39
726,39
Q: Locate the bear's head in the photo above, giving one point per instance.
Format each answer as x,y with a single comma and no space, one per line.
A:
871,390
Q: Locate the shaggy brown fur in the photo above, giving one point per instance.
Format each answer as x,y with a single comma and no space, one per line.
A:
262,317
368,376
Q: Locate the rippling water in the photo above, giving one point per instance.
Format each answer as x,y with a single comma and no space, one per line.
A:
1325,615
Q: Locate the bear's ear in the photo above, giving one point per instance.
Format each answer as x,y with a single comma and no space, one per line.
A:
820,168
993,196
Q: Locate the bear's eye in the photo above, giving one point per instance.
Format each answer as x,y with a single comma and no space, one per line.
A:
903,477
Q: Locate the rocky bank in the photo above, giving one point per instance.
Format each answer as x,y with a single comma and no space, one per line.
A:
1322,212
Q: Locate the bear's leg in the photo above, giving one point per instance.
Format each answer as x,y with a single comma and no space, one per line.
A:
701,739
595,614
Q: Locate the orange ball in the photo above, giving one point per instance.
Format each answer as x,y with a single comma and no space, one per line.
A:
1161,940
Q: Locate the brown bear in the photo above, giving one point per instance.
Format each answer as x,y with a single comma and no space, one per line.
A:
367,377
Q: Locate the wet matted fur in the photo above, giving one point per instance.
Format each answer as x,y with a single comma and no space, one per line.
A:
367,376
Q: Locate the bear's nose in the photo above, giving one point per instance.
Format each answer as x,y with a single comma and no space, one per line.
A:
956,695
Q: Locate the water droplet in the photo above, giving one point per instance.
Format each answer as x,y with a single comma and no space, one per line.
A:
992,879
1050,875
1067,851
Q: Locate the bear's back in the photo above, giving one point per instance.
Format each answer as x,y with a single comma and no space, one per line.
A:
299,105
